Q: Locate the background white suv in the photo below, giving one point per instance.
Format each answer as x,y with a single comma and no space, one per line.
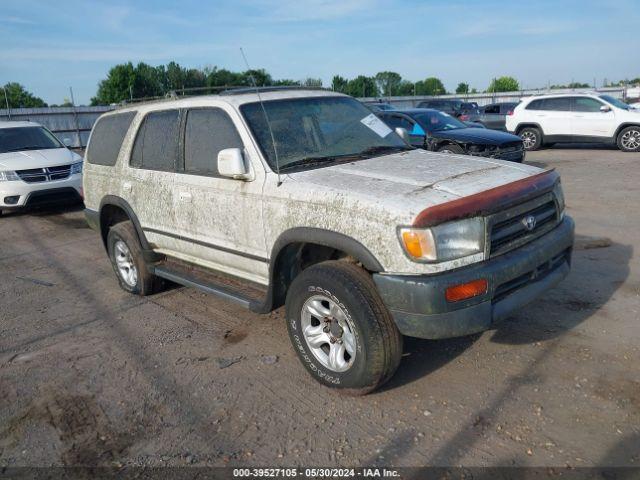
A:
35,168
576,117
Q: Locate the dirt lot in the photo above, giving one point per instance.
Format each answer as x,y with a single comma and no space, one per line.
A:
91,375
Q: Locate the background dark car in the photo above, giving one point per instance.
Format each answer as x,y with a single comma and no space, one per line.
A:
455,107
493,116
437,131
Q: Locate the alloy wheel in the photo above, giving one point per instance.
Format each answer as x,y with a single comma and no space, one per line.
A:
124,261
529,139
329,334
631,139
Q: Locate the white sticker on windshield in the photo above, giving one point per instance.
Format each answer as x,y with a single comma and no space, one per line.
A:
377,125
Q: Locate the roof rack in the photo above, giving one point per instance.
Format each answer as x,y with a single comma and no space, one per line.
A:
274,88
214,90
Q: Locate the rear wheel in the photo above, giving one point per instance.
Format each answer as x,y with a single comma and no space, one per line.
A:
451,149
126,258
340,328
531,138
629,139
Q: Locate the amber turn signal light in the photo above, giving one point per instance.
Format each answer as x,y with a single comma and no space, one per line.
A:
466,290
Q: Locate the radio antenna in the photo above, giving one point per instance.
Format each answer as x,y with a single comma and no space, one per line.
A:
266,116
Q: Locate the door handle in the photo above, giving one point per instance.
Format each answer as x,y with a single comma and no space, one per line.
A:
126,186
185,197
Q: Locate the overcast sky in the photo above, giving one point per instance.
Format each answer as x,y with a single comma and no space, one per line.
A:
51,45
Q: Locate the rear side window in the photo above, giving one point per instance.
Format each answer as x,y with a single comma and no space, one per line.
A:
560,104
106,138
156,145
535,105
586,104
492,109
207,131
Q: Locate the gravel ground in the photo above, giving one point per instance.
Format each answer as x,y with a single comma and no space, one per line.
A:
90,375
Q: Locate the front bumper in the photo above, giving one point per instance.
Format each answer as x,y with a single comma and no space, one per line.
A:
19,194
419,307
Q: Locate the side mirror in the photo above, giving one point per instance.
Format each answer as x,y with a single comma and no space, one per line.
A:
231,164
605,108
403,134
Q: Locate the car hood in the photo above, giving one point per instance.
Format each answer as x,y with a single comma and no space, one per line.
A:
408,182
37,159
484,136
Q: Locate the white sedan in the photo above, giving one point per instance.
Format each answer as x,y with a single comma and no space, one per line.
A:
35,168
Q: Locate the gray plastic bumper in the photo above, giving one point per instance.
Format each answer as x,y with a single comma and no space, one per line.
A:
420,309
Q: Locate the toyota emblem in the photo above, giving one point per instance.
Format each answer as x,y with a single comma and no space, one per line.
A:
529,222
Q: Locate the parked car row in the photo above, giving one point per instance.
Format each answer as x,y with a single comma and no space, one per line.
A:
545,120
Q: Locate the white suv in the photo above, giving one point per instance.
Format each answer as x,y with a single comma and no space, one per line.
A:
576,117
306,199
35,168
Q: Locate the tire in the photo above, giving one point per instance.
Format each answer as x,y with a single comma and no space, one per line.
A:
124,249
628,140
531,138
359,319
450,148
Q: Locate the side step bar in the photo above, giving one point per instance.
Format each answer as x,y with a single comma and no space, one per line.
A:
206,286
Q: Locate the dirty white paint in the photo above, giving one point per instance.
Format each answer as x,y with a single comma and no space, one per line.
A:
365,200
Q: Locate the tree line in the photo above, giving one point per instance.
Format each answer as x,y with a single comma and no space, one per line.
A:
127,81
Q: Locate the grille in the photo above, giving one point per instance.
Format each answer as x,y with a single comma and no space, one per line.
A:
49,174
534,275
513,151
522,224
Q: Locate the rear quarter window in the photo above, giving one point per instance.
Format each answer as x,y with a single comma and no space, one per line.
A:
107,137
156,145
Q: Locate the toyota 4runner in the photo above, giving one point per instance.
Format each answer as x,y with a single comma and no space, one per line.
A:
305,199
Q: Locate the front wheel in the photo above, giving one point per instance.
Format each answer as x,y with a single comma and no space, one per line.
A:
531,138
629,139
340,328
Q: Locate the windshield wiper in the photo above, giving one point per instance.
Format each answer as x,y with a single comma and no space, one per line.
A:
330,159
382,149
309,161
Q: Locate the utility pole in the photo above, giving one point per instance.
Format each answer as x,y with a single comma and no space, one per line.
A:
75,117
6,99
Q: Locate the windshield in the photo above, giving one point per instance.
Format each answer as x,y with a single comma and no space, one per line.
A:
437,121
27,138
319,131
615,102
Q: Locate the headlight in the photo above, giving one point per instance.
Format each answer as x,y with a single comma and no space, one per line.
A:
444,242
9,177
76,168
557,192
